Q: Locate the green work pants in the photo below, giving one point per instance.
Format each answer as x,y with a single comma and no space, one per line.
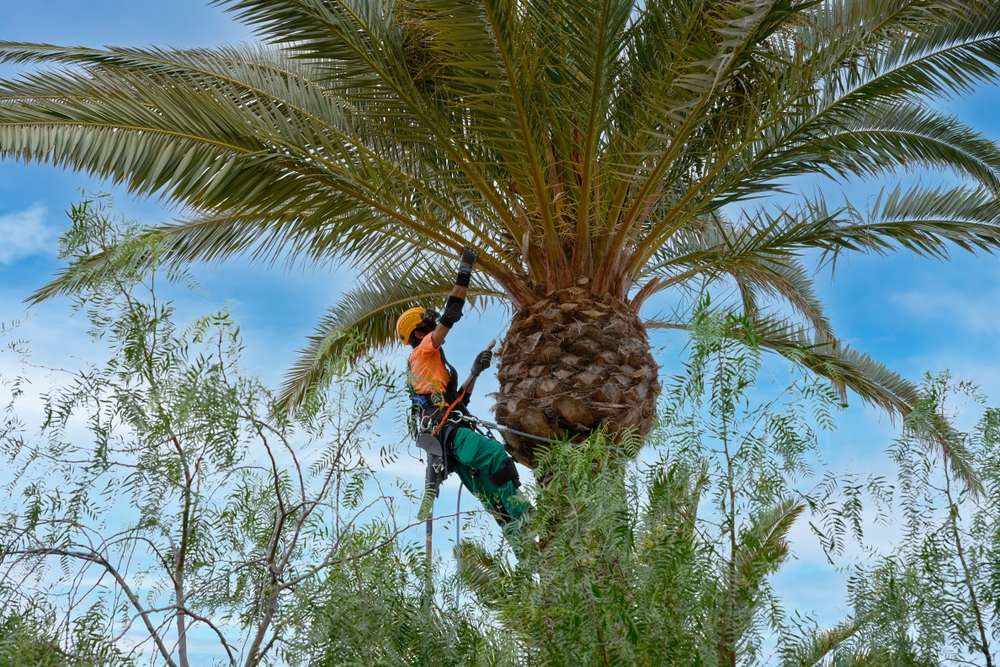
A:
480,459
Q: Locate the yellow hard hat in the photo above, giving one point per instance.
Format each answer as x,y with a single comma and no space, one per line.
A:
407,322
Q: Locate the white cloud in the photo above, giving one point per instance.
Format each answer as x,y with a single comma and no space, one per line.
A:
973,312
24,233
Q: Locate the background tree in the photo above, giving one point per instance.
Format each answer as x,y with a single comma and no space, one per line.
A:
594,153
934,600
671,562
377,611
31,636
184,511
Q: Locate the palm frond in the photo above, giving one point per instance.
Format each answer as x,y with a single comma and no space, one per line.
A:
803,101
716,247
923,220
787,279
903,135
882,138
320,238
847,369
714,52
104,127
274,163
252,74
763,546
949,55
266,82
346,33
365,50
134,256
920,219
814,649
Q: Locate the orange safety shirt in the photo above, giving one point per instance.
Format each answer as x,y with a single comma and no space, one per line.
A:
429,375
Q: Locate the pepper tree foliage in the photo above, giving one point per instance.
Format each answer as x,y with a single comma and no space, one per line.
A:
610,140
669,561
162,497
30,637
936,598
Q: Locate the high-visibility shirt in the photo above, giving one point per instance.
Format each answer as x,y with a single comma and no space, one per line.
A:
430,373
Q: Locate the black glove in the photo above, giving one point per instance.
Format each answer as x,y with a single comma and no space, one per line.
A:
465,268
483,361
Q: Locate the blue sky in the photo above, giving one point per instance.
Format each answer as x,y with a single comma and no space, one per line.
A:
913,314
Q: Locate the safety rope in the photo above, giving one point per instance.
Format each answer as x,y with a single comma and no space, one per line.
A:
498,427
458,544
458,417
429,554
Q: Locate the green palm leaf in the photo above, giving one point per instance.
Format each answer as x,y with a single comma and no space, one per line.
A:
815,649
214,237
562,140
847,369
881,138
761,549
717,248
919,219
763,546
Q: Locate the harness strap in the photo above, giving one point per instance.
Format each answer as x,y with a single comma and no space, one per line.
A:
448,411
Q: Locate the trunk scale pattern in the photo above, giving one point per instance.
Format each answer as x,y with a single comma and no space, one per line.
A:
574,362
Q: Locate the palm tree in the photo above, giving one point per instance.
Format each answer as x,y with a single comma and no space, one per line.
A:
593,153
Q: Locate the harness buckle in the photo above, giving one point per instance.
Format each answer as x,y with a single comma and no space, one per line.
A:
425,423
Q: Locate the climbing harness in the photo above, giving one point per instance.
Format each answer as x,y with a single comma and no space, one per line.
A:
447,413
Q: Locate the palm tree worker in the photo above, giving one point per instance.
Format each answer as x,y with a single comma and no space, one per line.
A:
481,462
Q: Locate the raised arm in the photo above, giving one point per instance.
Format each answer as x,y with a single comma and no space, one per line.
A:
456,300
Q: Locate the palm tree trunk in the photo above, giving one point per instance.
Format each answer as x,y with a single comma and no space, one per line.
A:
572,363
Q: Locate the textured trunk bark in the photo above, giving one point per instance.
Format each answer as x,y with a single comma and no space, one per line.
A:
574,362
